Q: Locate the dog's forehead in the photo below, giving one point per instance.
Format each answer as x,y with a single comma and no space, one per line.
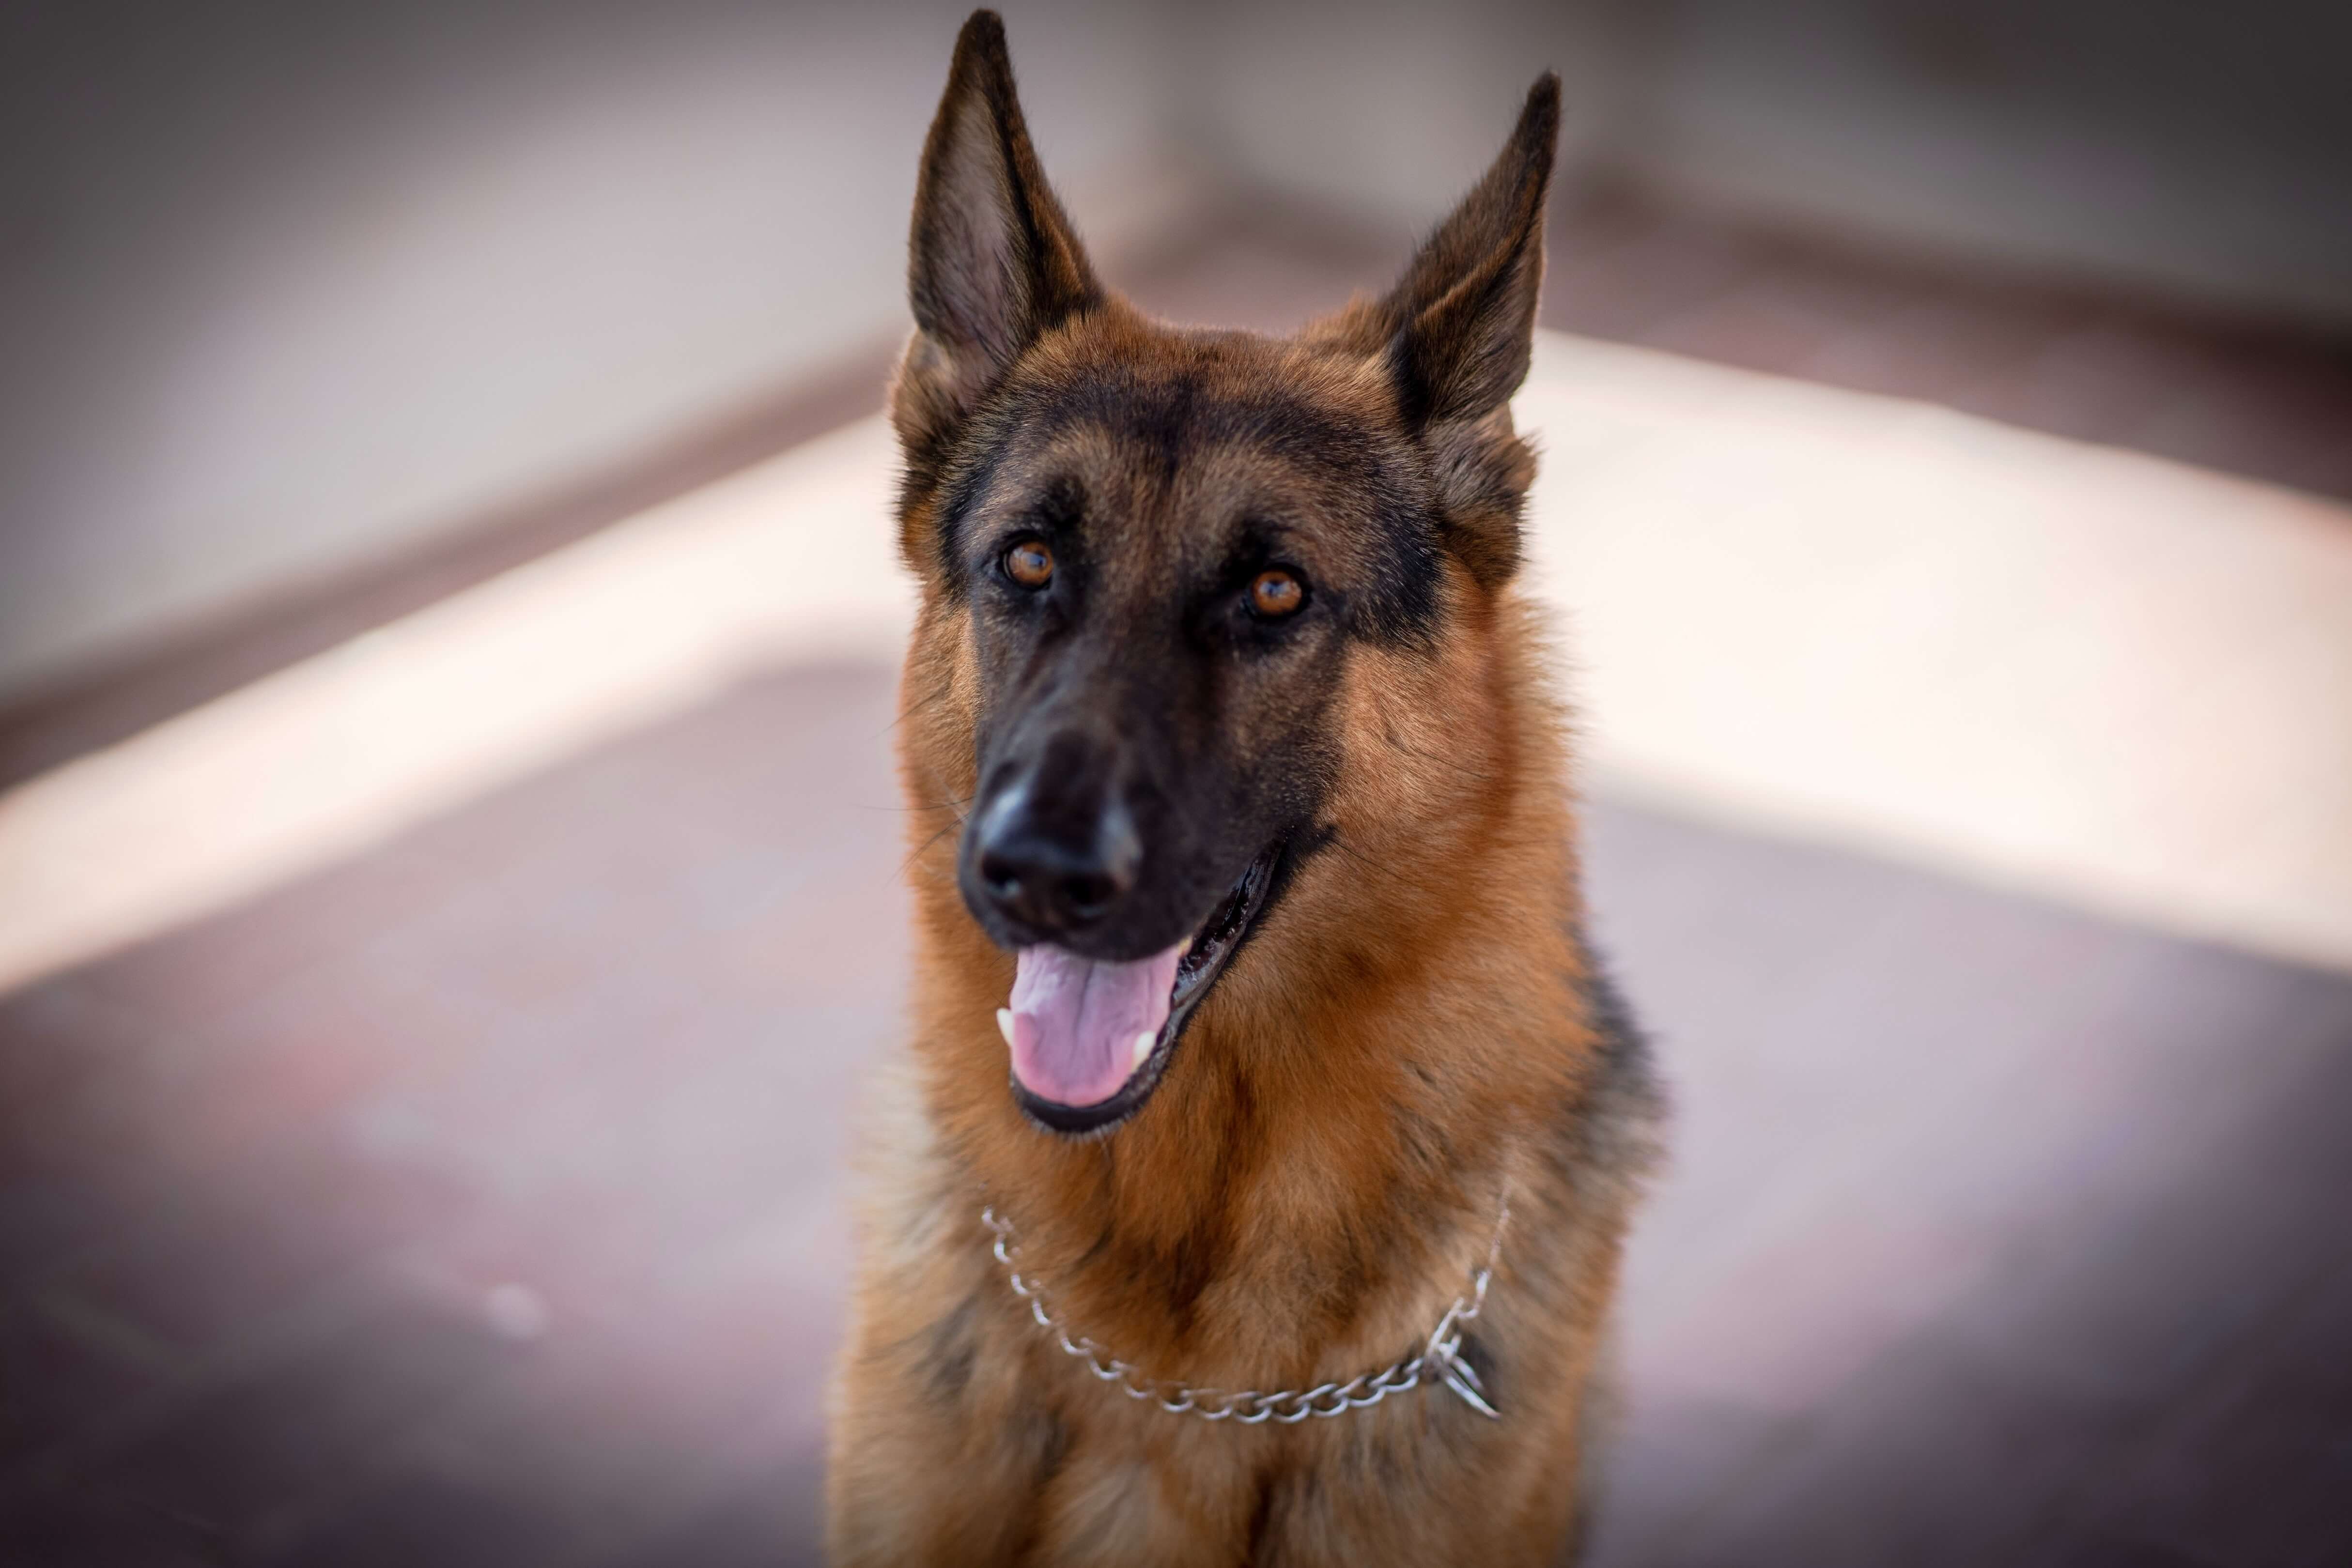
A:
1183,447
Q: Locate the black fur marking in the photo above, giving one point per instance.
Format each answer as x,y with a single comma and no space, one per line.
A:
1169,423
1628,1104
1171,417
951,1355
1402,608
1612,1017
1041,1438
1429,1152
1304,846
970,481
1270,1484
1184,1271
1041,1434
1611,1136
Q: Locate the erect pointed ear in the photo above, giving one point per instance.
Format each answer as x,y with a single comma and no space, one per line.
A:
992,262
1463,315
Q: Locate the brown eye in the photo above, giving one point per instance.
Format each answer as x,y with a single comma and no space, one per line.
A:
1030,564
1276,593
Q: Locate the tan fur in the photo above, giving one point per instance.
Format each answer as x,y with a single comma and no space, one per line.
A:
1412,1033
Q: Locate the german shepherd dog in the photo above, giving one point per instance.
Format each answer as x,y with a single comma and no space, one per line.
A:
1242,826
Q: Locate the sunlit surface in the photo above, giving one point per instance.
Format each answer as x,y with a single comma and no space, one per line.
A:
2083,673
793,559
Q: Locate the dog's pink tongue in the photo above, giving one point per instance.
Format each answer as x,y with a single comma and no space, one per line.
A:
1075,1021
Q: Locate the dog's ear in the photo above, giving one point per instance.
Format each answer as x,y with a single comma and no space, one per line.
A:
992,260
1463,315
1455,335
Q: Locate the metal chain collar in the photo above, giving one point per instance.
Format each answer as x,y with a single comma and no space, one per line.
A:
1439,1359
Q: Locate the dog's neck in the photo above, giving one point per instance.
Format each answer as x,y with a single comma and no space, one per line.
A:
1347,1082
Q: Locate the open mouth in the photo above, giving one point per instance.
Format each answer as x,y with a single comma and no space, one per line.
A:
1090,1038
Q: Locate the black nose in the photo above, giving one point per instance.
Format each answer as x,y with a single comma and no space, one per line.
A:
1055,864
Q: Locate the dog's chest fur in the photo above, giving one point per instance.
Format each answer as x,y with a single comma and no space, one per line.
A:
1003,1449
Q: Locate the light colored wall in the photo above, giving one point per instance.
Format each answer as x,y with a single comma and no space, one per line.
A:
2178,146
287,286
300,285
1392,113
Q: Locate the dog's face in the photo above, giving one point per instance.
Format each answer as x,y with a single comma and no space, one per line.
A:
1165,546
1160,548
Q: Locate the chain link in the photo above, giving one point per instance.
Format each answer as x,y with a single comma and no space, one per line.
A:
1438,1360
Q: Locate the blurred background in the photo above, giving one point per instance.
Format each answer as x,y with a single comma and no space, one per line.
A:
449,853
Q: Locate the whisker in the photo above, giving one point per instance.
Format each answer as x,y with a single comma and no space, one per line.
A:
919,850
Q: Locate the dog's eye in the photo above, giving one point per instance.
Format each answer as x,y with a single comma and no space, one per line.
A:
1276,593
1030,564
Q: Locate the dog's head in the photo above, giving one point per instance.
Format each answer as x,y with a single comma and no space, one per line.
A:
1151,553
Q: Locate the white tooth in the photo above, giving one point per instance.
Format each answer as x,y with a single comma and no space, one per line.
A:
1143,1044
1005,1024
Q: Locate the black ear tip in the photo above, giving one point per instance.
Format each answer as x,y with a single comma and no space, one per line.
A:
1541,115
983,39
